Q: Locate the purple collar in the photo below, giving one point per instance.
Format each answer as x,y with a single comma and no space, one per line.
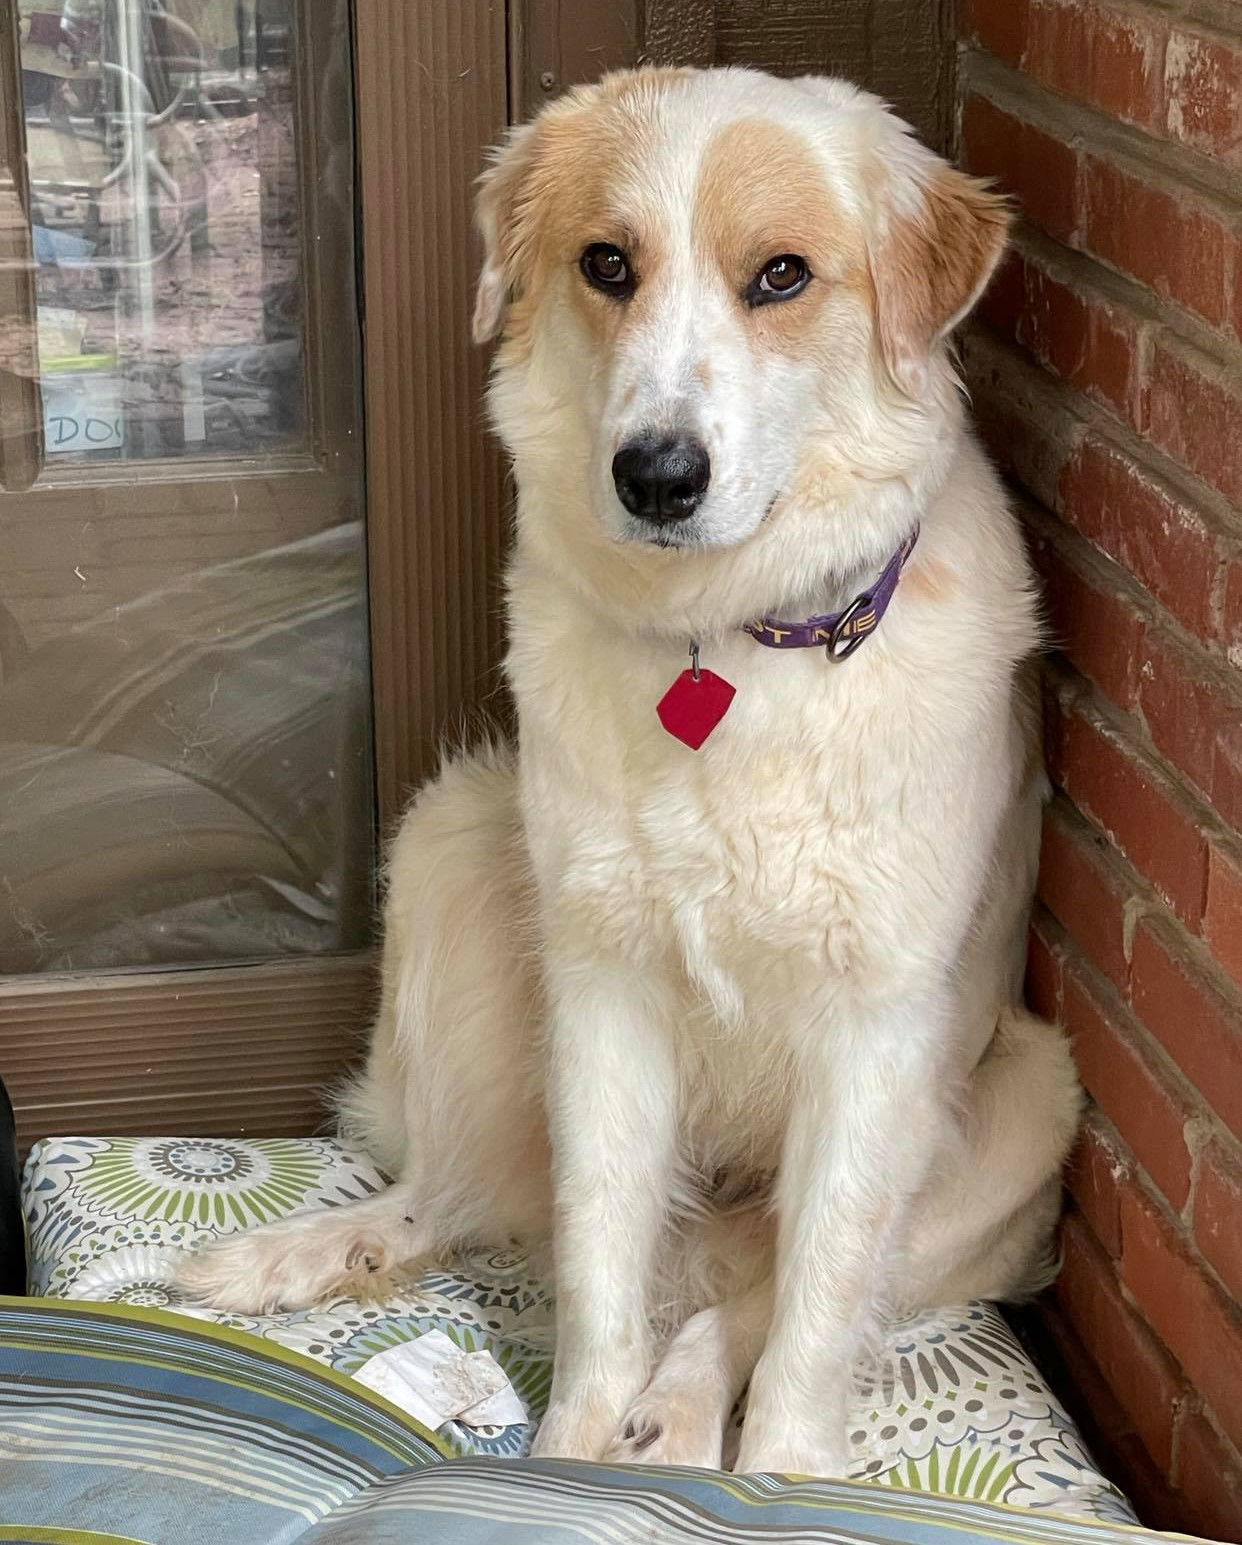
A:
842,632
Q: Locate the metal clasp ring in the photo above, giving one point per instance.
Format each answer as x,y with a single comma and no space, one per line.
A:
694,660
839,647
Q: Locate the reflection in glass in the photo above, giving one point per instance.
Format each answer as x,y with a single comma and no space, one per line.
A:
163,179
179,779
185,767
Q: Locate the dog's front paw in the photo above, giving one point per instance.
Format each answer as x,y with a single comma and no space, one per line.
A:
669,1428
288,1265
575,1429
554,1441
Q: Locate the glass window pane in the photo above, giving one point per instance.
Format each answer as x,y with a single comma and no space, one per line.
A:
163,176
185,748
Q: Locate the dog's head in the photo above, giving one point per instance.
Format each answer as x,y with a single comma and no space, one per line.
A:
725,300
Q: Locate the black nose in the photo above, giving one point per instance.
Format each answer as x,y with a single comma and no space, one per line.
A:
661,480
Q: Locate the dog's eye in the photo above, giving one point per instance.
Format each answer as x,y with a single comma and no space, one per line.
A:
607,268
779,279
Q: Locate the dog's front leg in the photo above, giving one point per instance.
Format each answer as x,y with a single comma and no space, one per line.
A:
862,1127
612,1096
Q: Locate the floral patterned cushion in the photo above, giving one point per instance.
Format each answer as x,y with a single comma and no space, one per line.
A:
951,1403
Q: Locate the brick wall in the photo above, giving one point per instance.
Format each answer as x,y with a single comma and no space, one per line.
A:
1107,376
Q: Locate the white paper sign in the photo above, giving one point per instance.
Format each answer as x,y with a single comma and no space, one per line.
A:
82,412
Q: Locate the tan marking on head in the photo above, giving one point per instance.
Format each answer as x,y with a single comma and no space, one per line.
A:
552,193
932,265
703,374
762,194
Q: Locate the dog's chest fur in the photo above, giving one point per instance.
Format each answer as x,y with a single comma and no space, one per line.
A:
750,880
758,860
827,847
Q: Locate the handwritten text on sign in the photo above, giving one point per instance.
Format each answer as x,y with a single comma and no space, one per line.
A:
82,414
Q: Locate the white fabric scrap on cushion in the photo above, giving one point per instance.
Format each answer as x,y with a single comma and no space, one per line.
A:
434,1381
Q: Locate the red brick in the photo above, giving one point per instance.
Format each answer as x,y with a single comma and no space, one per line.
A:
1195,1024
1194,719
1209,1475
1043,975
1194,409
1227,769
1182,83
1110,369
1222,915
1080,337
1077,890
1160,538
1231,621
1144,63
1037,168
1133,804
1000,28
1201,1328
1235,303
1111,59
1218,1214
1174,242
1111,1436
1005,296
1097,629
1026,445
1096,1171
1051,693
1142,1376
1203,88
1136,1097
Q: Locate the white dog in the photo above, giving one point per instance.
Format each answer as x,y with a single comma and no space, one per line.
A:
740,1027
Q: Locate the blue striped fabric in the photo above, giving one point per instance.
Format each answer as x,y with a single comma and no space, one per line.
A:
132,1425
148,1425
485,1501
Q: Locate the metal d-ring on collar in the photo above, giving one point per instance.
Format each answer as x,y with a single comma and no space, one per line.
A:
839,633
843,638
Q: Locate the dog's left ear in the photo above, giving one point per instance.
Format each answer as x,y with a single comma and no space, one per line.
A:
498,207
942,235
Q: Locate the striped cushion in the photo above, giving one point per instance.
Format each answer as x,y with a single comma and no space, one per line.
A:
147,1426
121,1424
487,1502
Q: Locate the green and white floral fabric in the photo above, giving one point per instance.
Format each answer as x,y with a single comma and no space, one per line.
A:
951,1404
107,1218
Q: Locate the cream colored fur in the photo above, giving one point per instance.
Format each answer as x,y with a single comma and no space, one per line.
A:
739,1031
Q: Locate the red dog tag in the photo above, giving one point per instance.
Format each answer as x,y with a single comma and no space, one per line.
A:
694,705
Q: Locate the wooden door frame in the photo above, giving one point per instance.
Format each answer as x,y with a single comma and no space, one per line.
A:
431,94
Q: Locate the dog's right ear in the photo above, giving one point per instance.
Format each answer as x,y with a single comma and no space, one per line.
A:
498,212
